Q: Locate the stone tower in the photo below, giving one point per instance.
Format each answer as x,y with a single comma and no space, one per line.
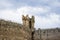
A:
32,21
28,22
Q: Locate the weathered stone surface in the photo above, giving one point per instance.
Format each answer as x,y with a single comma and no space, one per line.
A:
47,34
13,31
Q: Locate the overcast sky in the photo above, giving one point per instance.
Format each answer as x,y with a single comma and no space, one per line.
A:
46,12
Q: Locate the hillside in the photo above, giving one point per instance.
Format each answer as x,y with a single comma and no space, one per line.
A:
13,31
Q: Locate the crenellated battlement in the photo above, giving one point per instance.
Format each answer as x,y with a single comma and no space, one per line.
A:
27,21
15,31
